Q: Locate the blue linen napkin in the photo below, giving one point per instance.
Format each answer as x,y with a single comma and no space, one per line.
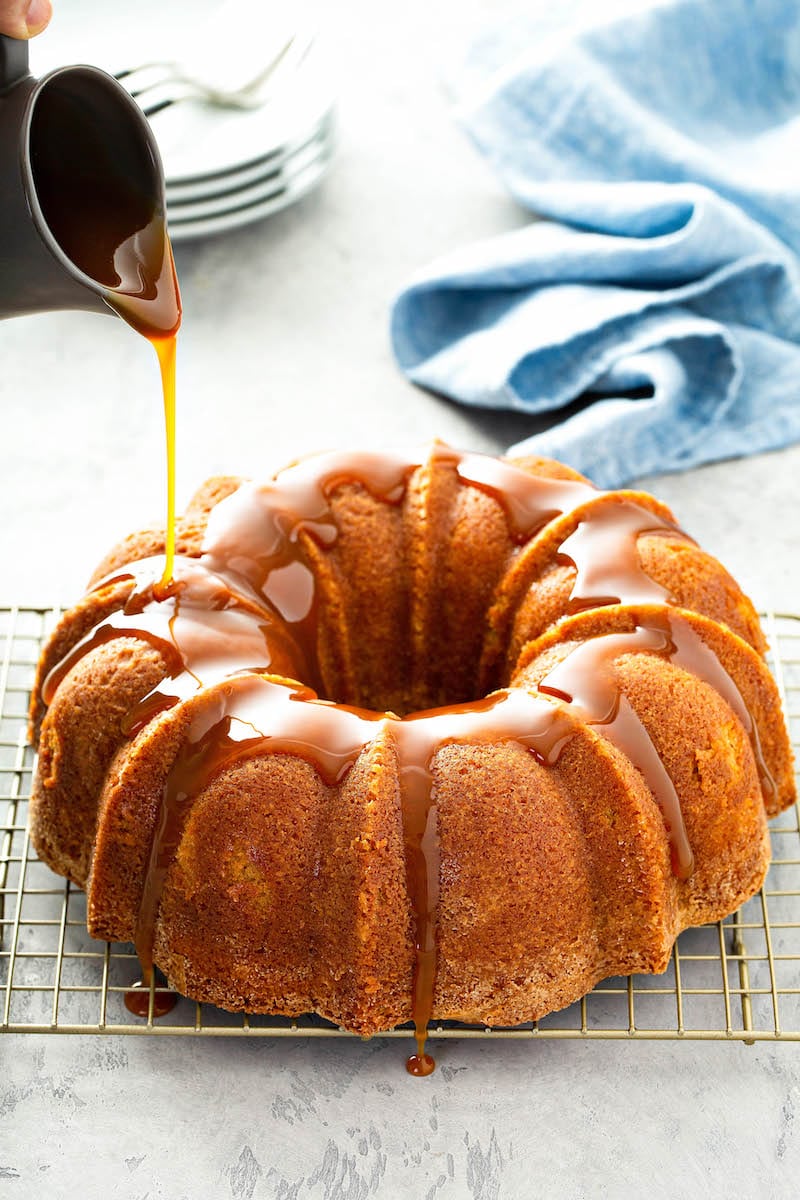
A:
663,151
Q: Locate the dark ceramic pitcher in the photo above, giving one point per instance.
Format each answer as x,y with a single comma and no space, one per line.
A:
77,121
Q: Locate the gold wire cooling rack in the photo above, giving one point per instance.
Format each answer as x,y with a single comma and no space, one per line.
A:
738,979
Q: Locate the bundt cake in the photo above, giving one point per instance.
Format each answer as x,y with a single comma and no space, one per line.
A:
442,736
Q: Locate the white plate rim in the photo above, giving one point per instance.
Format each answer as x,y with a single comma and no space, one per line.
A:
270,185
224,221
219,182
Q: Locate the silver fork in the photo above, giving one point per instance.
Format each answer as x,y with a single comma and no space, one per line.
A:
160,84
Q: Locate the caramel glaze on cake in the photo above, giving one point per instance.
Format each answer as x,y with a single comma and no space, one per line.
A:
545,741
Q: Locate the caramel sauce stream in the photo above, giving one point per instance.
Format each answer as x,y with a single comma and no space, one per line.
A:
148,298
166,348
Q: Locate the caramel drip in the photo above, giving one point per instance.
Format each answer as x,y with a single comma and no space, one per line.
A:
249,604
690,652
137,999
257,529
203,630
604,551
530,502
257,537
585,681
230,727
504,716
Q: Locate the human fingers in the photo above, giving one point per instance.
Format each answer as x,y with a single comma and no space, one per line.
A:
24,18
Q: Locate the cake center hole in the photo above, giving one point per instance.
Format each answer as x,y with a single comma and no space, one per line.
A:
400,680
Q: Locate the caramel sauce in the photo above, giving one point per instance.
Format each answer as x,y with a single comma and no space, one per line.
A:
513,715
203,629
137,1000
239,625
585,681
530,502
166,349
604,551
420,1064
240,719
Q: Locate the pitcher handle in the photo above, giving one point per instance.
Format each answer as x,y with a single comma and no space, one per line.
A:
13,61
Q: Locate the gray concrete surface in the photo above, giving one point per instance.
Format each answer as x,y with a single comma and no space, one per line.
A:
284,350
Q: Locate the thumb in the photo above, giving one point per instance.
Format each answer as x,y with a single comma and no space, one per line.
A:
24,18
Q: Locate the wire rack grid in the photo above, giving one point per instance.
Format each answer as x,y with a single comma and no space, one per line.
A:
736,980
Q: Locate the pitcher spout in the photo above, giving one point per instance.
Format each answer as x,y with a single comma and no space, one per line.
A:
80,176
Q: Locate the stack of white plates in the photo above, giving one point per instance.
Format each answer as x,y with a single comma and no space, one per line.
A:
226,167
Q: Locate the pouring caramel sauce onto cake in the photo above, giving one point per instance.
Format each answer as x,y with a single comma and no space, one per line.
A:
112,227
446,626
